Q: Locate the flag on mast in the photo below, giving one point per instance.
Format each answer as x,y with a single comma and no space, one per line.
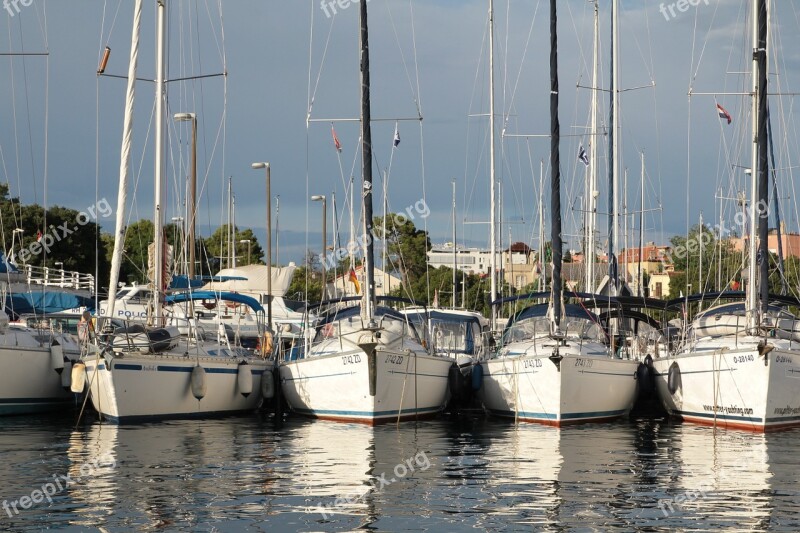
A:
396,141
354,280
724,114
583,156
336,142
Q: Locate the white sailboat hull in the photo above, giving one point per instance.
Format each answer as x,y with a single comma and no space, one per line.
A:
533,389
29,383
337,386
140,387
730,386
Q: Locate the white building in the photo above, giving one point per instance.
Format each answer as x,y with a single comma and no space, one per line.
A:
469,260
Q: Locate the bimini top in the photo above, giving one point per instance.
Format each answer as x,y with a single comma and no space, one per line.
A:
214,295
354,311
540,310
440,315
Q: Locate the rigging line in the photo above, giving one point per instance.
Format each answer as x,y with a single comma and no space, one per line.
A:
472,99
312,94
693,76
28,113
310,98
403,58
113,23
416,61
15,121
658,133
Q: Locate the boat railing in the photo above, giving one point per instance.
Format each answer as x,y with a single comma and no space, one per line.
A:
58,277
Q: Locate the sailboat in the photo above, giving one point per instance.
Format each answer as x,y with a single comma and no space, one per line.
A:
141,373
365,363
741,373
556,364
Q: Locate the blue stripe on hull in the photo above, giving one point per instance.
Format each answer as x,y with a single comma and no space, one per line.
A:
710,416
24,406
135,419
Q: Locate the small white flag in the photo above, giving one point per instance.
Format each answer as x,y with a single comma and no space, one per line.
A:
396,136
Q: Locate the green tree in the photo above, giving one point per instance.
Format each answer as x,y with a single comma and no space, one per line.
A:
216,246
60,234
407,245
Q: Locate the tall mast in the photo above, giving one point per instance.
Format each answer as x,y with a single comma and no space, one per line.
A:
639,277
591,200
455,248
613,193
125,159
158,212
555,169
366,168
763,157
752,291
492,178
542,256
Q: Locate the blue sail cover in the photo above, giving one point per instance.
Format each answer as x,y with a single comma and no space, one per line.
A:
213,295
21,303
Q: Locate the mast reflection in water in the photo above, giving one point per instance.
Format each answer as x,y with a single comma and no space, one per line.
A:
242,474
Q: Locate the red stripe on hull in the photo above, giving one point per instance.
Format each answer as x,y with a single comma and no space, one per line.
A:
371,421
562,423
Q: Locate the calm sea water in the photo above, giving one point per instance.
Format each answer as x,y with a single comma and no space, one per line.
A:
247,474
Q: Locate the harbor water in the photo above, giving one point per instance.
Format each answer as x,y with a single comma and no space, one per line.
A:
447,474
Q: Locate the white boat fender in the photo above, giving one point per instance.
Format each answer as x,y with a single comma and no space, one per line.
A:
57,356
66,376
267,385
199,382
244,379
78,377
674,378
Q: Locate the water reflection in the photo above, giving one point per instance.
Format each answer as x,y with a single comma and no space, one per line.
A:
242,474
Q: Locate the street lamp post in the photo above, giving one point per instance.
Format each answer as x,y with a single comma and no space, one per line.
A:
256,166
321,198
192,213
248,242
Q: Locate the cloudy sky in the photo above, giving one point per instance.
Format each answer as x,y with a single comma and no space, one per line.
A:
62,125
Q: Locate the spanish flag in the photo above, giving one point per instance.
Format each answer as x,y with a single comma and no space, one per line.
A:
354,280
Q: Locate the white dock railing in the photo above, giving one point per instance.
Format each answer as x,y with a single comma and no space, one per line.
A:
58,277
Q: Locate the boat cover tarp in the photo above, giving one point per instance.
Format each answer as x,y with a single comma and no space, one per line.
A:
20,303
252,279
